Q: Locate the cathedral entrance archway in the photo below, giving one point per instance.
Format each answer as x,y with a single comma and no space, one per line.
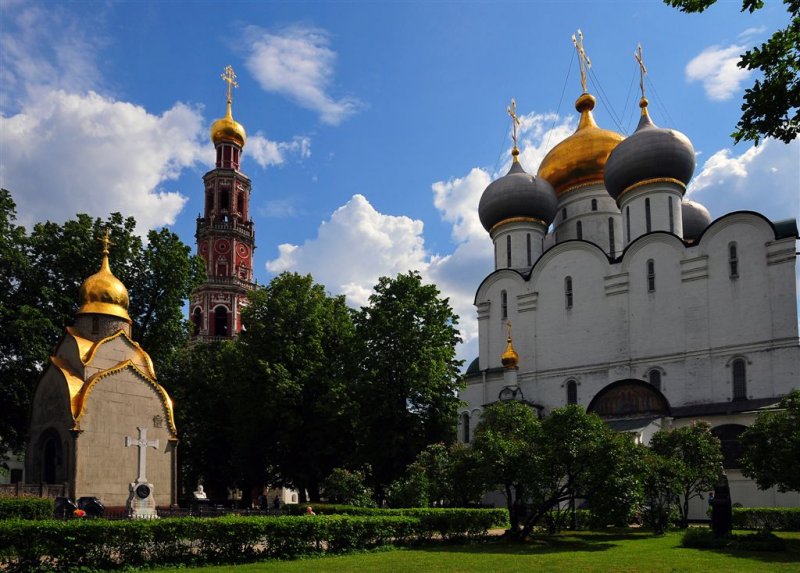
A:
629,398
51,458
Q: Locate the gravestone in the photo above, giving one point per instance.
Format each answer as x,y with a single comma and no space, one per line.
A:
721,508
141,503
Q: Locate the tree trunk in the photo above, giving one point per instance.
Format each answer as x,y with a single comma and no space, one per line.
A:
513,517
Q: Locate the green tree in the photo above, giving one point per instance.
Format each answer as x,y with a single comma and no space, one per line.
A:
662,488
348,487
299,342
771,107
696,456
771,446
408,376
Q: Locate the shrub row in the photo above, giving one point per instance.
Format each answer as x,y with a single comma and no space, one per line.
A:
26,508
703,538
69,545
767,518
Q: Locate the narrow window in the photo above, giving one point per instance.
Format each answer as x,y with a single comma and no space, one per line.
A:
219,156
739,380
465,427
508,250
95,324
495,254
671,215
528,244
568,291
594,204
224,200
197,319
647,220
563,213
580,230
651,276
628,222
655,379
209,202
611,249
239,202
572,392
733,261
504,304
221,321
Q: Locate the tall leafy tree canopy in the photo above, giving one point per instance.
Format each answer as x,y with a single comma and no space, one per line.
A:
771,107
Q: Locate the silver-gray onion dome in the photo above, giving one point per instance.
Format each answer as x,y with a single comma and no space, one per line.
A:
651,152
695,219
517,194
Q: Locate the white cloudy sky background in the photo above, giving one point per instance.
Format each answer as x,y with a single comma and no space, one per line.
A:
103,153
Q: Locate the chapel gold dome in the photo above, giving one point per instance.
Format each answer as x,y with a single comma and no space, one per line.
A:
581,158
228,129
103,293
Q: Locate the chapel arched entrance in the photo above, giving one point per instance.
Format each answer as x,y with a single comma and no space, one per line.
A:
629,398
52,458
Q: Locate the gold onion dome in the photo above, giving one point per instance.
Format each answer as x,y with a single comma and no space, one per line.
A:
581,158
227,129
509,358
103,293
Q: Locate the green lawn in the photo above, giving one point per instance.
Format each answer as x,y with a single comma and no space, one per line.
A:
618,551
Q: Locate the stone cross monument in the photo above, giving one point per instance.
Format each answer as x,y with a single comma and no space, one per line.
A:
141,503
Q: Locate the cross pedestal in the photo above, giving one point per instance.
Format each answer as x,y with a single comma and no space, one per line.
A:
141,503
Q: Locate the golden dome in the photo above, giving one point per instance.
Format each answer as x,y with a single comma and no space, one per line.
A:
581,158
509,358
103,293
228,129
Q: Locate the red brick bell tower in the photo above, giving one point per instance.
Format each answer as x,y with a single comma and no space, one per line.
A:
225,236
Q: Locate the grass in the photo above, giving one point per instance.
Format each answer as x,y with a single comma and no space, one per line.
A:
614,550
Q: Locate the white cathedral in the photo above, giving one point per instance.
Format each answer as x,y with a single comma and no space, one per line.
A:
629,300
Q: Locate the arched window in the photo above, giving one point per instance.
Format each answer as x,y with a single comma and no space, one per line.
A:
654,377
528,244
504,305
628,223
739,379
572,392
730,439
733,261
594,204
671,215
224,200
465,427
197,319
508,250
651,276
221,321
95,324
240,202
568,291
647,220
611,249
580,230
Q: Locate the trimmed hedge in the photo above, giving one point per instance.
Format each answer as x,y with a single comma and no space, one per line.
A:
26,508
767,518
102,544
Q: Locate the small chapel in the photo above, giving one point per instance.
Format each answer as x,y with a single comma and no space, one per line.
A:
100,422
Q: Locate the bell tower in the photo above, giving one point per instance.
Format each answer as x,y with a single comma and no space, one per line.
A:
225,236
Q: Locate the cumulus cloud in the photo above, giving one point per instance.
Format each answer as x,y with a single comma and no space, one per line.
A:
298,62
266,152
65,153
716,68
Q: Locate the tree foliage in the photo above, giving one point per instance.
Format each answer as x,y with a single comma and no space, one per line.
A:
771,107
695,456
348,487
771,447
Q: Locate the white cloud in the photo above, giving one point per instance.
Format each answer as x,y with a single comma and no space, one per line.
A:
299,63
716,68
749,32
65,153
266,152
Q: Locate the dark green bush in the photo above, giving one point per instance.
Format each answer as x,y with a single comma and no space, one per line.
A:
767,518
703,538
68,545
26,508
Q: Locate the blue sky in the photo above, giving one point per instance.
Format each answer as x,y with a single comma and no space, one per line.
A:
373,127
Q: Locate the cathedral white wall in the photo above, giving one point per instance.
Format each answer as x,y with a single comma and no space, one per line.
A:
633,205
594,223
522,234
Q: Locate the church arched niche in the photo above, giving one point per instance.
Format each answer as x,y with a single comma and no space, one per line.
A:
730,439
221,321
51,458
629,399
197,320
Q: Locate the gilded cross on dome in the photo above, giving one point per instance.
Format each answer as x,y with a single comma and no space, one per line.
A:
642,70
512,111
585,62
106,241
229,76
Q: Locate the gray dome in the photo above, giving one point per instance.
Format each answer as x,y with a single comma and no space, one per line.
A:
517,194
651,152
695,219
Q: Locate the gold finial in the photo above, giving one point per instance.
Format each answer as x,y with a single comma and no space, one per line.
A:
642,73
230,77
106,242
585,62
510,358
512,111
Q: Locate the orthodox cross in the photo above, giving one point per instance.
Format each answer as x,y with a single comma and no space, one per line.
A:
509,330
142,444
642,70
230,77
585,62
106,242
512,111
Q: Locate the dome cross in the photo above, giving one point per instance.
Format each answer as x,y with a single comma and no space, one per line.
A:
585,62
106,240
512,111
642,70
230,77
